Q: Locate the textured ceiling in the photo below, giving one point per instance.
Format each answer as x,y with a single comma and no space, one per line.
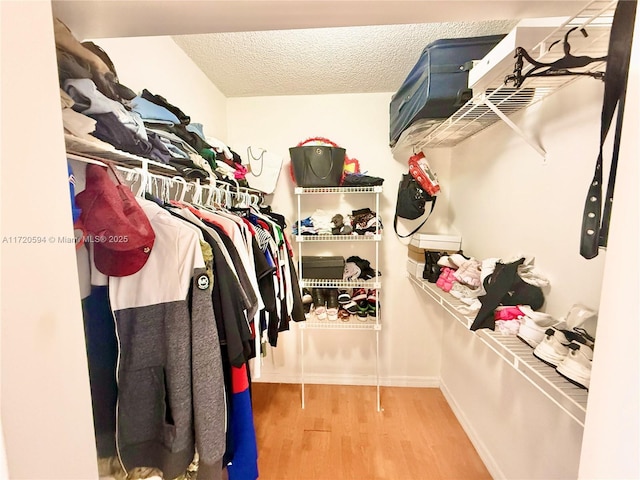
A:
321,60
285,47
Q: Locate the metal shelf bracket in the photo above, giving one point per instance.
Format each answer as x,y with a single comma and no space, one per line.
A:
532,143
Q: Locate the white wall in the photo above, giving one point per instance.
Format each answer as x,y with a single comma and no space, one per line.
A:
160,66
612,429
410,347
506,201
46,404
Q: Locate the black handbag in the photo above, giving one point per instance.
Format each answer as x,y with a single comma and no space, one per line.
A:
317,165
411,203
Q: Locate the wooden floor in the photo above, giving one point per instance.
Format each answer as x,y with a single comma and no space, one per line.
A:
340,435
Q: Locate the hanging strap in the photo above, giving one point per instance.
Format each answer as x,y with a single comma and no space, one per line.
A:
395,221
595,222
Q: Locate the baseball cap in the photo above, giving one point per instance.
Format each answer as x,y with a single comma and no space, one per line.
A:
118,228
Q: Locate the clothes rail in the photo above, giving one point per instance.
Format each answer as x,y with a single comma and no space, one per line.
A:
165,175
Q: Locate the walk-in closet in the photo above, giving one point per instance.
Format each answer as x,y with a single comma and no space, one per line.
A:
406,388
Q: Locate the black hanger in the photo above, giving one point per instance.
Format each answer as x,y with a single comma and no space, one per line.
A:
559,67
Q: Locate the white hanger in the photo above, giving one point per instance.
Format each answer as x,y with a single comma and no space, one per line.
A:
184,187
197,194
144,179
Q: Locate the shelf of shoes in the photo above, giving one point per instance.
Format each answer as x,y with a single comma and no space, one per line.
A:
497,101
570,398
354,322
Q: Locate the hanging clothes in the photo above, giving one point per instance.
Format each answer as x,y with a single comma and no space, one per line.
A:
169,371
169,346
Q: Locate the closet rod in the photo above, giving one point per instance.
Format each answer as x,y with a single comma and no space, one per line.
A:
169,172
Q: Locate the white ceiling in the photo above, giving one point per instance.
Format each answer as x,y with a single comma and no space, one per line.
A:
322,60
289,47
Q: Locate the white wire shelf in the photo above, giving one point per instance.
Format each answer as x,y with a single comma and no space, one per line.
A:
376,189
499,100
338,238
570,398
331,283
353,324
104,151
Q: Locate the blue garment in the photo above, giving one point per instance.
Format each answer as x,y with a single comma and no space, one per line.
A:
75,210
90,101
244,462
152,113
198,129
102,356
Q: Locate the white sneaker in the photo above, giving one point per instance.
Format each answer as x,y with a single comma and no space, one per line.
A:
583,317
533,325
576,366
463,293
554,347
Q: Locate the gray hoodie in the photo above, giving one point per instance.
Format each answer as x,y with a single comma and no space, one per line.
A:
170,382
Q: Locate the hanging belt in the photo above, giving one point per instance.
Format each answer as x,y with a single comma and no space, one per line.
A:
595,222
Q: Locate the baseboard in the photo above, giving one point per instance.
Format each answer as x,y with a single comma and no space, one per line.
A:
476,440
342,379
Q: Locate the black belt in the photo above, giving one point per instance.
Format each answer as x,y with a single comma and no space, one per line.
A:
595,221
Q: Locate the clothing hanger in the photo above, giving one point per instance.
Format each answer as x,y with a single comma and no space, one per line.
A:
180,180
197,193
556,68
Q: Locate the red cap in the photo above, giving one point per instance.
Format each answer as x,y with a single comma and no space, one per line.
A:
120,231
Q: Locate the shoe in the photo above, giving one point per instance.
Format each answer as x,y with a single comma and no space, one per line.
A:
444,262
446,280
372,311
533,325
344,315
332,304
555,345
319,303
363,309
457,259
344,297
351,307
576,366
307,301
306,296
372,297
359,294
468,272
580,316
463,293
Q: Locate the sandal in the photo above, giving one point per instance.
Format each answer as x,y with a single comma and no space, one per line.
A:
344,315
